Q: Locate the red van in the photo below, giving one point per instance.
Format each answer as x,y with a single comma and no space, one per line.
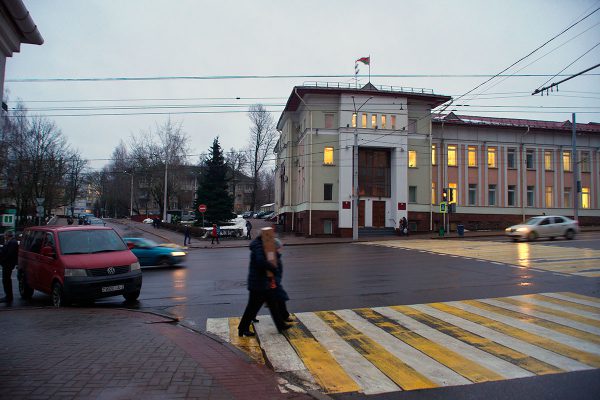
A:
77,263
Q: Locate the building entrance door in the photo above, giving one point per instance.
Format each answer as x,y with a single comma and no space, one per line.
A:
379,214
361,214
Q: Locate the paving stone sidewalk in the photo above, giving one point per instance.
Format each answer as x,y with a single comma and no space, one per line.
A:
73,353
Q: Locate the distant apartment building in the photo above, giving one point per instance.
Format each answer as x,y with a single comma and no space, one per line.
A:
502,170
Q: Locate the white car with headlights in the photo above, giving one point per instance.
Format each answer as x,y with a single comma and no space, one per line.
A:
549,226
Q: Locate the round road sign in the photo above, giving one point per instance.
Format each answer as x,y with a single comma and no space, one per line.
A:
202,208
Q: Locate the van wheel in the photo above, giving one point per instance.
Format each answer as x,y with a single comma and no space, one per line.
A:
532,236
132,296
58,295
25,290
570,234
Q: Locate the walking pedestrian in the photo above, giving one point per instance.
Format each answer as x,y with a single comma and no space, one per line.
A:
214,234
187,235
261,286
248,230
8,260
404,226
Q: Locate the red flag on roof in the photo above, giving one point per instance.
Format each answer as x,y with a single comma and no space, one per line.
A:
364,60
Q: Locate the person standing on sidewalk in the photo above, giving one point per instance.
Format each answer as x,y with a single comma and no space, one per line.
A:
8,260
248,230
214,234
261,289
187,235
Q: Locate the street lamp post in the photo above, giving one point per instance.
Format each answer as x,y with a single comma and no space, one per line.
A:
165,191
131,198
355,171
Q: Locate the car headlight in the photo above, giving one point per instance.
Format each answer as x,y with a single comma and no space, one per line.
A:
523,229
135,266
178,253
75,272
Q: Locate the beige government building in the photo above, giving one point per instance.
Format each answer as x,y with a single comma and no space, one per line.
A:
502,170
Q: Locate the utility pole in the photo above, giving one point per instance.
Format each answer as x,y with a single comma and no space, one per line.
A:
355,172
165,192
576,181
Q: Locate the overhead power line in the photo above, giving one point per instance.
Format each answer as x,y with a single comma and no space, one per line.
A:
536,91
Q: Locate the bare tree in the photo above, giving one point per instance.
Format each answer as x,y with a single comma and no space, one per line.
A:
263,138
236,162
74,179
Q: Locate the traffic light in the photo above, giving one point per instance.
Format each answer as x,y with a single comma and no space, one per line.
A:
444,195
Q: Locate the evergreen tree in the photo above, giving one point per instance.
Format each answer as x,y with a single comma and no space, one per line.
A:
213,188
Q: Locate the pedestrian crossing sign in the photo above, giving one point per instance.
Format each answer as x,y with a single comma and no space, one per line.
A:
443,207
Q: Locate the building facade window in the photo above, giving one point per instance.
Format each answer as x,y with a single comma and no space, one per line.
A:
412,159
374,121
432,192
530,196
329,121
328,227
491,195
383,122
412,194
328,156
454,195
511,158
354,120
548,160
511,196
452,156
585,161
433,154
491,156
472,194
566,158
393,121
328,191
530,159
567,197
472,156
412,125
549,197
585,197
363,120
374,172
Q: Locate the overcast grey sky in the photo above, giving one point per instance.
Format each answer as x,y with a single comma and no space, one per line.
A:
149,38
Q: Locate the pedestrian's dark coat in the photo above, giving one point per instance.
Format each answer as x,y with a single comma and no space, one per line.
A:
259,265
9,253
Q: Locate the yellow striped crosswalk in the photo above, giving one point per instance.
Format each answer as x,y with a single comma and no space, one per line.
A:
566,260
421,346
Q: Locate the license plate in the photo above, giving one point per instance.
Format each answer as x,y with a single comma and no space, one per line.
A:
112,288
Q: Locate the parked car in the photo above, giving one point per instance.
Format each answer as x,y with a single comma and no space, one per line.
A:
95,221
549,226
247,214
148,221
149,252
77,263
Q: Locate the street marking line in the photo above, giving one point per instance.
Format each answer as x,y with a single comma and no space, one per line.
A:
326,371
564,303
483,343
369,379
248,345
563,327
535,310
581,340
533,339
576,297
399,372
452,360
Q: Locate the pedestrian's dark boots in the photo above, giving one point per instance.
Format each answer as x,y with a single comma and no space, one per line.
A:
245,333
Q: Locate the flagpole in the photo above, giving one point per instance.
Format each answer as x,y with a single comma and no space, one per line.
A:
369,68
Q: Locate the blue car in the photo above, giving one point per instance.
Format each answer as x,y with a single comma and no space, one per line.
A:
149,252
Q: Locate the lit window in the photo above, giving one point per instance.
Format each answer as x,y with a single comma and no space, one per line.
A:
364,120
548,160
491,151
328,121
585,197
393,122
452,156
433,155
412,159
549,196
472,156
383,122
328,155
567,161
354,120
432,192
374,121
454,196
